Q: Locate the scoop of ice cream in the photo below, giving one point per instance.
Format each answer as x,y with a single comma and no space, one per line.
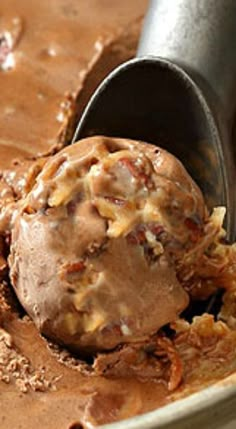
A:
96,240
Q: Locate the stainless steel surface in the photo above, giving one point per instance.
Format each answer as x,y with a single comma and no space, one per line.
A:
198,35
212,408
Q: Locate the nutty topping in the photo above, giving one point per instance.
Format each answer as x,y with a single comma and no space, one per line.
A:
72,270
137,169
16,368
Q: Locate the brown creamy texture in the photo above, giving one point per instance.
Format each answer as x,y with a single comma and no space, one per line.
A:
67,393
105,221
48,51
36,115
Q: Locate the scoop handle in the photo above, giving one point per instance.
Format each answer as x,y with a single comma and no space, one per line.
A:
200,36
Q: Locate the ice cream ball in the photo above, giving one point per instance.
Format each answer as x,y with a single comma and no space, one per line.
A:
96,240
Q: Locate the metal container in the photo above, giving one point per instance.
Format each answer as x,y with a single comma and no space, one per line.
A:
211,408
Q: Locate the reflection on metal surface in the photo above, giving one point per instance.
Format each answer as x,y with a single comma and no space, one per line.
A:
155,101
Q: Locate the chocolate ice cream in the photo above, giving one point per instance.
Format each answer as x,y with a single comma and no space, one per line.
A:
52,57
95,243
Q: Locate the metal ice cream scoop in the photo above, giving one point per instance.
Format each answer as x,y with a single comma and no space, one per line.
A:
179,92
